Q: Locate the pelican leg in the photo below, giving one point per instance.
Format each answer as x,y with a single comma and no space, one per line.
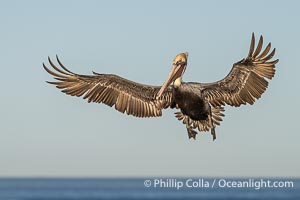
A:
191,132
213,133
189,128
212,130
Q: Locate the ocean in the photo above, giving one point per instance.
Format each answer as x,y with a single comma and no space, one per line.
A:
148,188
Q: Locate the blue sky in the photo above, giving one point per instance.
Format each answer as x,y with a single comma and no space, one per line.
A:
46,133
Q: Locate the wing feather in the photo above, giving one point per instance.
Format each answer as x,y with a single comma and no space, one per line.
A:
246,81
127,96
259,46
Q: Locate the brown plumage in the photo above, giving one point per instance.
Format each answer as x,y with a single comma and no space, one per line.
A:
246,81
127,96
200,104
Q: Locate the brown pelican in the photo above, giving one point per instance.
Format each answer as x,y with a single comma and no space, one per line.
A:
200,104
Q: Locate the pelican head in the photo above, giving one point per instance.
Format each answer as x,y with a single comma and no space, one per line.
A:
175,75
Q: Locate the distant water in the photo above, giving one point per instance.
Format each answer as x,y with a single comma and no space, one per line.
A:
133,189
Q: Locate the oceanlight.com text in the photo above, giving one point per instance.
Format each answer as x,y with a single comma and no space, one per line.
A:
251,183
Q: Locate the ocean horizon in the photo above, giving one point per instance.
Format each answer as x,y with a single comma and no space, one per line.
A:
165,188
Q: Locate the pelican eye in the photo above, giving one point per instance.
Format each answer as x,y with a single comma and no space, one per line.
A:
179,62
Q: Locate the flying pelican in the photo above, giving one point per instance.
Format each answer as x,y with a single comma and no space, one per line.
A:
200,104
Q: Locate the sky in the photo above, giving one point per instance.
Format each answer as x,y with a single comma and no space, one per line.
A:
45,133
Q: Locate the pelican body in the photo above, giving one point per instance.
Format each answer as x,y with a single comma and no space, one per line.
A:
201,105
187,97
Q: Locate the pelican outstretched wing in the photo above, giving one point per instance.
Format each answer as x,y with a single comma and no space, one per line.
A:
247,79
127,96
